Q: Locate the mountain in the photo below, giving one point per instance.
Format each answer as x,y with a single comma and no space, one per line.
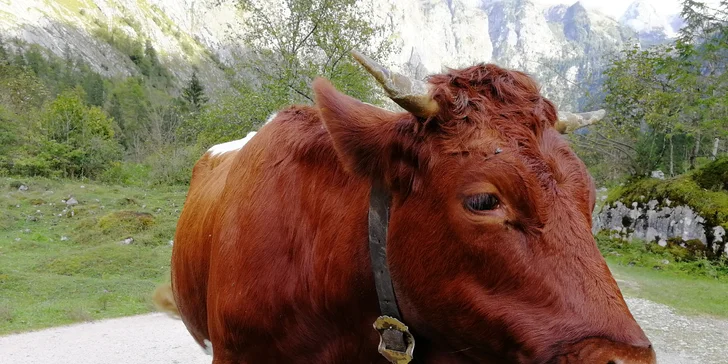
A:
651,27
564,47
106,33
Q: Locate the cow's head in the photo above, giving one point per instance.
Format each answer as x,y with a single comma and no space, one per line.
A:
490,245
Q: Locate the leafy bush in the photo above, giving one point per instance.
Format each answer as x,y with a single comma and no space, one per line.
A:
173,165
713,176
75,140
126,173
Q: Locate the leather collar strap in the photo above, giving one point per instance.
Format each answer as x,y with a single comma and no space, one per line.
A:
396,342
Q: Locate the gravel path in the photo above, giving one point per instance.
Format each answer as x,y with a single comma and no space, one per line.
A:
680,339
156,338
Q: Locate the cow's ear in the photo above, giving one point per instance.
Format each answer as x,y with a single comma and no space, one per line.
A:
370,141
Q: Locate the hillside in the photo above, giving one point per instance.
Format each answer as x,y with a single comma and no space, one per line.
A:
185,33
564,46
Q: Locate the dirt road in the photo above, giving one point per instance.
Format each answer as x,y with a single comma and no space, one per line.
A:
156,338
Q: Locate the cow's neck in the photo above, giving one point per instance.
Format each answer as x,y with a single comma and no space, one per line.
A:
396,342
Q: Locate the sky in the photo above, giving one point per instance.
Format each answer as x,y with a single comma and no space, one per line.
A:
616,8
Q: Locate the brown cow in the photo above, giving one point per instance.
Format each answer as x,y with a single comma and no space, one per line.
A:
489,243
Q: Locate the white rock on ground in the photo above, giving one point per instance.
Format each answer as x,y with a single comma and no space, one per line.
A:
157,338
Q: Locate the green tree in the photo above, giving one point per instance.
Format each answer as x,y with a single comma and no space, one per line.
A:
662,101
77,140
130,108
290,42
194,93
232,117
702,50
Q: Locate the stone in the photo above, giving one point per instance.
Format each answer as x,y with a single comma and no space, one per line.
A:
718,234
658,174
127,241
23,188
652,222
71,201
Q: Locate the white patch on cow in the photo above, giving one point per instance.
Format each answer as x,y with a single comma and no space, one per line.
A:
271,117
208,347
231,146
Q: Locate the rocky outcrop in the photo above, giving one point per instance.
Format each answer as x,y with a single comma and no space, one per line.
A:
658,223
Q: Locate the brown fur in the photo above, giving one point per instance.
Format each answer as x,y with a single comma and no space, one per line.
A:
271,262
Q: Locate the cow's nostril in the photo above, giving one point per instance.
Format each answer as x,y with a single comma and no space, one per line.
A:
611,362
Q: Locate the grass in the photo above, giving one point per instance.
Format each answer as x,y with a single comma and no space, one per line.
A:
60,264
690,284
688,295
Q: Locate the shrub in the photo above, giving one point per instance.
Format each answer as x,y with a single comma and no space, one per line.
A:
126,173
713,176
173,165
672,257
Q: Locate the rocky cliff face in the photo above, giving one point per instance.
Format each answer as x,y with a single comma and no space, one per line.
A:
185,33
563,46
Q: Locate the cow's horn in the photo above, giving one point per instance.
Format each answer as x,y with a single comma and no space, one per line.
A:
412,95
569,122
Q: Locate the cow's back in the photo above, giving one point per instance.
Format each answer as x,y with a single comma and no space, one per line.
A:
272,244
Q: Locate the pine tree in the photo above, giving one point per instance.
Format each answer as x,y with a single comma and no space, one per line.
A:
194,93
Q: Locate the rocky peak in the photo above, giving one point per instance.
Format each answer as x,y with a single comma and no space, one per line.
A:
577,25
555,14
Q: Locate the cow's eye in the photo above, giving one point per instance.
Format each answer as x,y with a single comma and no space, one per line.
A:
481,202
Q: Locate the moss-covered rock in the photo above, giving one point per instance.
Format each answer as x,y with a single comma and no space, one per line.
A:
681,190
673,208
